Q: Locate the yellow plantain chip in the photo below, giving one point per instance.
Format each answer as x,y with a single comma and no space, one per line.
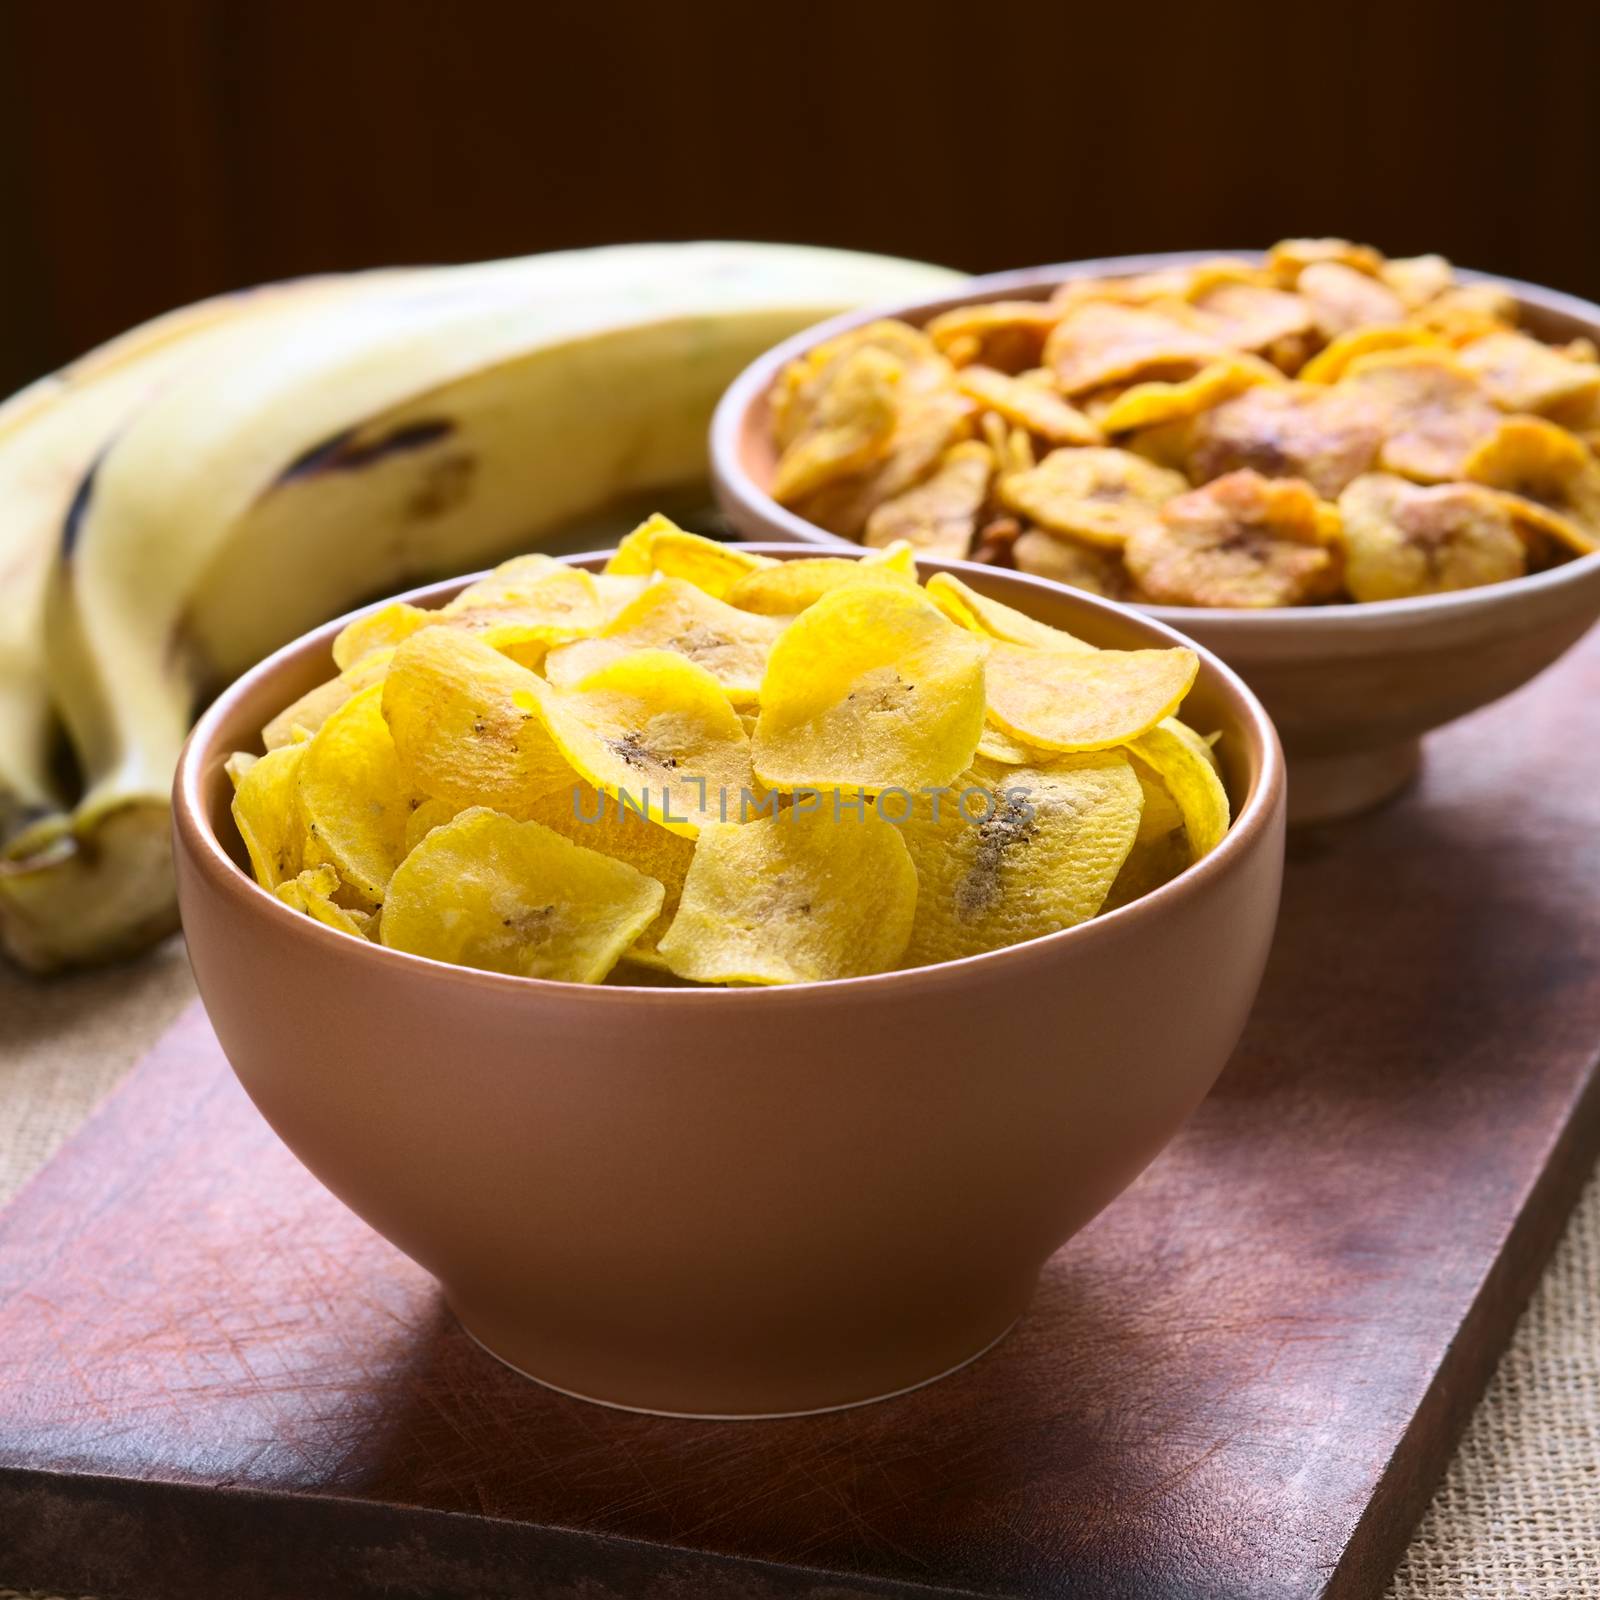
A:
656,732
1292,430
313,893
1253,316
790,587
449,701
660,545
1071,701
1028,405
354,794
314,707
1007,335
799,897
1402,540
528,605
427,815
266,811
939,517
1330,364
1436,411
1135,289
1097,343
1342,297
1014,853
598,821
871,687
1148,405
378,630
1098,495
1242,540
1160,847
854,418
1065,560
926,426
1466,312
1418,279
1521,374
672,614
1187,767
1290,257
487,891
998,746
995,620
1552,479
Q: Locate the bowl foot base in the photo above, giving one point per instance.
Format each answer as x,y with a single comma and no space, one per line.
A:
643,1408
1329,788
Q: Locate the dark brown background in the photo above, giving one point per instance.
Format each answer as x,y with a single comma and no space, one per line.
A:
153,151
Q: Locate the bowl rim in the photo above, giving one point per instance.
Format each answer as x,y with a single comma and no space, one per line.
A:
732,480
200,764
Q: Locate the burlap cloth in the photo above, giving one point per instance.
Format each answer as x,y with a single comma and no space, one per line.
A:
1518,1514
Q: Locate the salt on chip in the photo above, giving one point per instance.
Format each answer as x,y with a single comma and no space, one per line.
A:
449,701
1028,405
1187,768
1014,853
854,418
315,706
1097,495
1008,335
871,687
653,730
490,892
1436,410
940,515
993,619
354,795
1343,297
1066,560
1293,430
1551,479
1521,374
659,545
1402,540
802,896
1098,343
1242,540
790,587
1072,701
267,815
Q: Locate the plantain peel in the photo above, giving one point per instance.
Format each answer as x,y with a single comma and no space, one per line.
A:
369,436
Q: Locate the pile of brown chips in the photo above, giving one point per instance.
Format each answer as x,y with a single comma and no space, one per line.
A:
1329,425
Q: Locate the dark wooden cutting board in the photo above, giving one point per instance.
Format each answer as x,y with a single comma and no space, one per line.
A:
1242,1381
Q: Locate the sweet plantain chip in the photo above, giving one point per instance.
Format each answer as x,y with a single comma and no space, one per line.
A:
1466,312
993,619
1329,365
1342,297
1028,404
659,545
1242,540
1521,374
1418,279
871,687
1016,852
802,896
458,734
1290,257
1091,700
1436,411
656,732
786,589
1254,316
1149,405
803,386
1293,430
487,891
1098,495
1402,540
1065,560
1097,343
354,795
267,814
940,515
1007,335
853,420
1552,480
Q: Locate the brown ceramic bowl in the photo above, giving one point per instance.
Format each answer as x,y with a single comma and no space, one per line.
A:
1352,688
745,1201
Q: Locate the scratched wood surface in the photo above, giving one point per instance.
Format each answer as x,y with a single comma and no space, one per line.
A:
1241,1381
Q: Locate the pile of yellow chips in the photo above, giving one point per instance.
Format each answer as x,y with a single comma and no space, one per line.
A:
708,766
1329,425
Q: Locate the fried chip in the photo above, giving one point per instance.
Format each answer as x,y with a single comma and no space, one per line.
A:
266,812
1187,768
1028,405
315,706
354,795
1521,374
1098,343
1098,495
1551,478
1342,298
660,545
1065,560
449,701
1160,847
1418,279
672,614
940,515
378,630
1466,312
1071,701
1253,316
1287,259
1133,289
801,387
313,893
653,730
1292,430
992,619
791,586
489,892
1329,365
1401,540
853,420
1014,853
1148,405
1436,411
871,687
1008,335
527,605
426,815
1242,540
799,897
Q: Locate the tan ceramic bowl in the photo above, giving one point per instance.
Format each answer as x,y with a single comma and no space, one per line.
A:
747,1201
1352,688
